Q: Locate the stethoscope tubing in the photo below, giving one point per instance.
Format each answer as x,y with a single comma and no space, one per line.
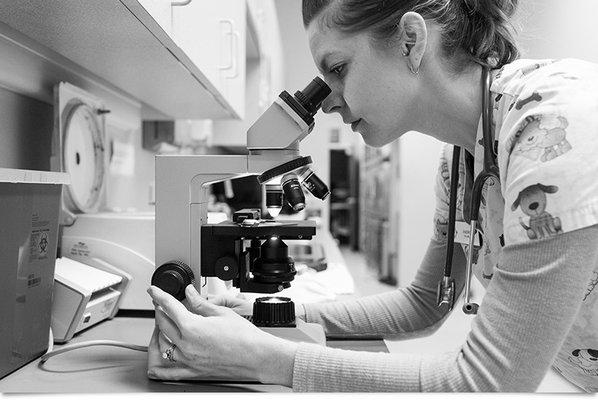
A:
490,170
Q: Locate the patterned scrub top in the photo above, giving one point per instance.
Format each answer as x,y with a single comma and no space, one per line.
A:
545,120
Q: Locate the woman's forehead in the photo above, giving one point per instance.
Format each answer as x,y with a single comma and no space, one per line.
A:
325,41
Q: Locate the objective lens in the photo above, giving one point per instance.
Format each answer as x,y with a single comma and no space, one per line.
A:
314,184
274,199
293,192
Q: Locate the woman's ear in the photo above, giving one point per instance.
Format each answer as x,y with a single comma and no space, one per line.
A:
413,38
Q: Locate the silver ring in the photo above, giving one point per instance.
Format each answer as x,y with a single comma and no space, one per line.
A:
169,353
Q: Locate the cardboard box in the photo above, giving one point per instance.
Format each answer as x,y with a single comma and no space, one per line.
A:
29,210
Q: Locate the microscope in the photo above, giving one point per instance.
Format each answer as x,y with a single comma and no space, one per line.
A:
248,251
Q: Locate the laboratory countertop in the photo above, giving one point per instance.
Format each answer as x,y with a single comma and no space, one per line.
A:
107,369
103,369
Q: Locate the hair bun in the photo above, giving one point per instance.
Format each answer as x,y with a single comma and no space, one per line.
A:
487,33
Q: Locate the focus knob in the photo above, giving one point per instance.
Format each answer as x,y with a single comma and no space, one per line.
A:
173,277
274,312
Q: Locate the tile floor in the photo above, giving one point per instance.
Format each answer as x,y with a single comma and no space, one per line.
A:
366,279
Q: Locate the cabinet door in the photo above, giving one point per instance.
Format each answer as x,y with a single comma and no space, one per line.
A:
160,10
212,34
266,24
264,73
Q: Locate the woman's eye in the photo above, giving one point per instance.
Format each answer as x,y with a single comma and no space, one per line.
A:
338,70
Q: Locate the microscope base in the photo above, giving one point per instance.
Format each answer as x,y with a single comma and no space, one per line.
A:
303,332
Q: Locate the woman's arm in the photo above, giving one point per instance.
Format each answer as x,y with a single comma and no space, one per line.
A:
398,312
407,310
528,309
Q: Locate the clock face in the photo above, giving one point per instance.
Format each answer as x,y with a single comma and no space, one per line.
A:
83,156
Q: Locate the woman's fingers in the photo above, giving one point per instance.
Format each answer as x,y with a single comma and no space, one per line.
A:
199,305
174,308
167,326
169,351
171,374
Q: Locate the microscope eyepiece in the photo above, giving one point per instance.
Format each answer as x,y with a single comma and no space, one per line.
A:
313,95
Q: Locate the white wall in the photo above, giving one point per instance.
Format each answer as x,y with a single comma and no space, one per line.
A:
558,29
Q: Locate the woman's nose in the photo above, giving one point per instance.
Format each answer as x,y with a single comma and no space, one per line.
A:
332,103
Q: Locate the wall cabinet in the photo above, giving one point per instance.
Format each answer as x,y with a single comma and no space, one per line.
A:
213,35
116,45
264,73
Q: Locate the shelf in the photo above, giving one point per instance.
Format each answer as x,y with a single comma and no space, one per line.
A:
375,162
340,206
348,148
116,43
380,216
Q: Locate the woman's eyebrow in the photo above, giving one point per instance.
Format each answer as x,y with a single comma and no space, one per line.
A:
323,65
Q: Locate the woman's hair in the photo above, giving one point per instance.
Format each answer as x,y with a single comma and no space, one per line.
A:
477,30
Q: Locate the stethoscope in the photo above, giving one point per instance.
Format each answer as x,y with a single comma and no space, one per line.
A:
446,287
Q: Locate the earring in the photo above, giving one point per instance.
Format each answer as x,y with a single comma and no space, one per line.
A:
405,53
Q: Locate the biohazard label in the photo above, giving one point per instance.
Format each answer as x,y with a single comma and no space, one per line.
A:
39,241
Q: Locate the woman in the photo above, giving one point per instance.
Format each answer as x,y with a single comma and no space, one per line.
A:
396,66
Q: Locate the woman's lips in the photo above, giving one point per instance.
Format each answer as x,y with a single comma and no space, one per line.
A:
354,124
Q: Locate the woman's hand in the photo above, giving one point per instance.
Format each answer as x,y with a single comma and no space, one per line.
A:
238,304
161,368
214,343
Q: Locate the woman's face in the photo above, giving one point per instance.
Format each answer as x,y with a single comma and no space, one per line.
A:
372,88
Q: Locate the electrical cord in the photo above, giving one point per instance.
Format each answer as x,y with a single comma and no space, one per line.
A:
51,352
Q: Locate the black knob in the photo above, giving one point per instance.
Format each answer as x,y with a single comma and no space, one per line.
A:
274,312
173,277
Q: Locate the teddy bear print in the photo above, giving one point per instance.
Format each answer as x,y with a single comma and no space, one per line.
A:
446,178
537,140
440,228
532,201
586,359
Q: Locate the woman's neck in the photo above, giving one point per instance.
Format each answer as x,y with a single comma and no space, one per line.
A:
456,104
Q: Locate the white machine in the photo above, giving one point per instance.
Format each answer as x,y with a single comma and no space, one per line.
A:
83,296
118,243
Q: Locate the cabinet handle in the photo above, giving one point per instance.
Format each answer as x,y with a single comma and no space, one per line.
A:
235,54
229,23
179,3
